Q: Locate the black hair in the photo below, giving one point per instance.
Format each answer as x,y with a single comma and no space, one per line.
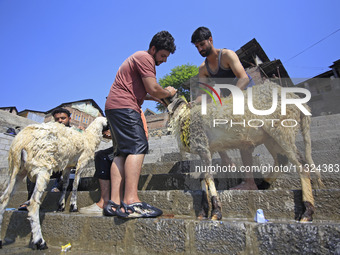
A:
200,34
61,110
163,41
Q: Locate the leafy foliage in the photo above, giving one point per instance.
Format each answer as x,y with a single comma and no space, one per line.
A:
176,78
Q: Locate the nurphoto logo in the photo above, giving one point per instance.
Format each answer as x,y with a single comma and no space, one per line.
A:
238,99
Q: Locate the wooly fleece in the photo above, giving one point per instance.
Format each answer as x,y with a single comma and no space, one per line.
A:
40,149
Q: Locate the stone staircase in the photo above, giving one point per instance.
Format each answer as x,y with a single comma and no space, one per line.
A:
166,183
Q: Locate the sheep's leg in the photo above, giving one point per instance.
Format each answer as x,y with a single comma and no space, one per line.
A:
307,196
305,130
225,159
204,211
62,202
248,182
216,211
33,209
82,162
17,172
293,155
73,201
286,141
279,160
216,208
4,199
208,186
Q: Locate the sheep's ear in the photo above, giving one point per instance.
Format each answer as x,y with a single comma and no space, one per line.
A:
184,99
169,100
172,107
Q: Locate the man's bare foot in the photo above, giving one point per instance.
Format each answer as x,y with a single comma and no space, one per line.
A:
245,186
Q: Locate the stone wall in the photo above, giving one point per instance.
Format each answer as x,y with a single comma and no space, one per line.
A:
8,120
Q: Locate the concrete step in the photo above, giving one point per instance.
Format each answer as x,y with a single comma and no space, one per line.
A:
170,235
276,204
224,182
179,178
326,121
85,184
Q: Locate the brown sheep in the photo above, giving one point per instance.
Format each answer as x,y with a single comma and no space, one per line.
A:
203,135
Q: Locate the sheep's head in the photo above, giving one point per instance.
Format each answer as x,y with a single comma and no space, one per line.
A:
98,125
103,122
168,100
179,124
175,103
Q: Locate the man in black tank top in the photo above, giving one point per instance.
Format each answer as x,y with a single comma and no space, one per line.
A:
224,63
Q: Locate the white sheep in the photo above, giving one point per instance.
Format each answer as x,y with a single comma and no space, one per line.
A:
40,149
201,135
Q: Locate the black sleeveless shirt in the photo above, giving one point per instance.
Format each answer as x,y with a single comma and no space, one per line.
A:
226,73
221,72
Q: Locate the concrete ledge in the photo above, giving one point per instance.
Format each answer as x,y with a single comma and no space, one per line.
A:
276,204
164,235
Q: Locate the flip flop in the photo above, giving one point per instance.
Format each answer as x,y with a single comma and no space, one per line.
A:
138,210
107,211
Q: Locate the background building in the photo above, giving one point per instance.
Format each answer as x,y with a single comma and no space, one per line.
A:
83,112
325,90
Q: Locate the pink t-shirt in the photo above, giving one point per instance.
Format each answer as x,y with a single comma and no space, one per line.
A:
128,91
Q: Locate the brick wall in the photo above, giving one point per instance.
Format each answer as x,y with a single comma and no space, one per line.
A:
157,121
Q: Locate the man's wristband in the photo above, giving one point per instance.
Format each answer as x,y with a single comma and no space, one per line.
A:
169,92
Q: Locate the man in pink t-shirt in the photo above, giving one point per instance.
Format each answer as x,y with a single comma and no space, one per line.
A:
135,82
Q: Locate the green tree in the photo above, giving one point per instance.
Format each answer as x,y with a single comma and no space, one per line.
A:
176,78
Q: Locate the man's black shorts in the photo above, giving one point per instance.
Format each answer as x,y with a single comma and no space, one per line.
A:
102,161
127,127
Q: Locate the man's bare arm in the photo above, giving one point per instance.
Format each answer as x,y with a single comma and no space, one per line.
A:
231,60
155,90
149,97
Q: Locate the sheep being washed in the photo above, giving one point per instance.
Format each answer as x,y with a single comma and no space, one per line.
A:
40,149
203,135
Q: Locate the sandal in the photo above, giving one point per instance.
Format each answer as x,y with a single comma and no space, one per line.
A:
23,206
107,211
138,210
